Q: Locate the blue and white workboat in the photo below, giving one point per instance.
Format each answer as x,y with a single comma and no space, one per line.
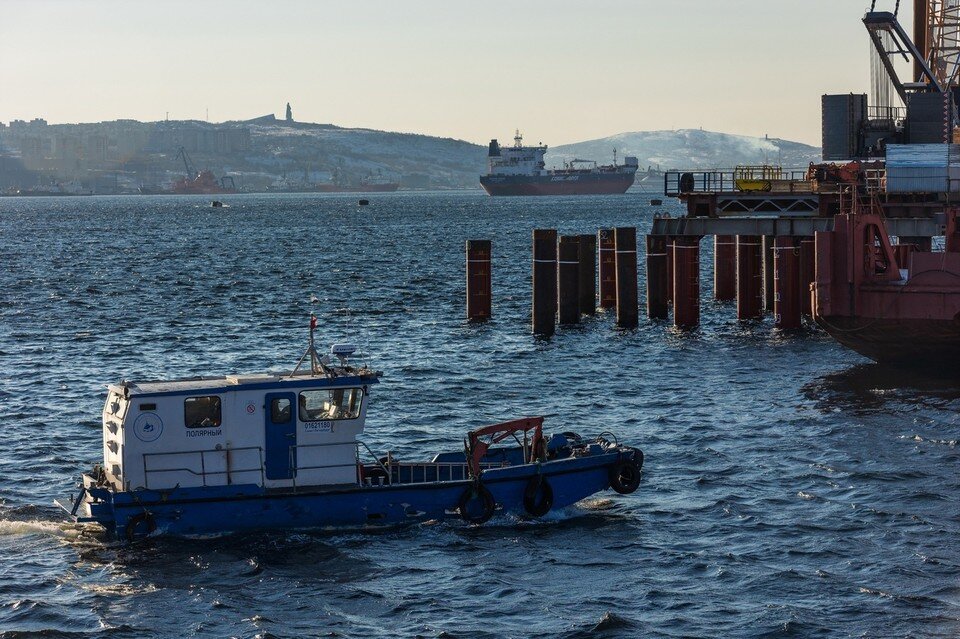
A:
244,452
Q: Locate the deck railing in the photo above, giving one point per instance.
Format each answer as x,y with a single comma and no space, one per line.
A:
201,455
203,464
677,183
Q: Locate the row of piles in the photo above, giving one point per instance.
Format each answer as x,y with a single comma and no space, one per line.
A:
565,276
762,273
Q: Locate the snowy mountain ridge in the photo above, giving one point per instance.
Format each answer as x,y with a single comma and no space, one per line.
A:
688,149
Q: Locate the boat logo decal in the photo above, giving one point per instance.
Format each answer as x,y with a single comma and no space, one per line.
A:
325,426
251,408
148,427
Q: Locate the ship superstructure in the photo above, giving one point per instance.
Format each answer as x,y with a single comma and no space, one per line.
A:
520,170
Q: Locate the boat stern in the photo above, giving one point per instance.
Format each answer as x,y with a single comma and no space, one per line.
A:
92,504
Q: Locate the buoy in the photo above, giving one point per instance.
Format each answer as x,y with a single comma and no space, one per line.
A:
656,202
216,204
364,202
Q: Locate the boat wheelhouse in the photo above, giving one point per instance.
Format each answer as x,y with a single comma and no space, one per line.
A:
241,452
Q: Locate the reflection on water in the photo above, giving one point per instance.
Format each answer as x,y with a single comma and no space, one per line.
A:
871,386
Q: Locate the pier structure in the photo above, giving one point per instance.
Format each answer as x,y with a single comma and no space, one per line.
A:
763,241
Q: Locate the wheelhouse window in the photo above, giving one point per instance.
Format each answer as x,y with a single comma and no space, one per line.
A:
280,410
336,403
201,412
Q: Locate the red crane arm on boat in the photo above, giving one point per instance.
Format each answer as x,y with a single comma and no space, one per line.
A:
498,432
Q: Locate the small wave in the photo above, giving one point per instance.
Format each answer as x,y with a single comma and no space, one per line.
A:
14,528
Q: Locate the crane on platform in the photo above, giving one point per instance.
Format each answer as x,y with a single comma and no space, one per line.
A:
187,164
934,48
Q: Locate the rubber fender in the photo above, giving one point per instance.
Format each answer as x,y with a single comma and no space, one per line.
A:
625,476
140,525
476,493
538,496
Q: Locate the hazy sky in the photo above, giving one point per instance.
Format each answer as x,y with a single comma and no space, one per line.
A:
562,71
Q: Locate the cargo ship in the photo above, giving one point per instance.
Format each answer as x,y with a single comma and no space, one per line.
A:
520,170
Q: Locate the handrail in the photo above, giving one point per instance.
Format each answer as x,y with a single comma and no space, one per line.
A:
375,458
676,183
203,468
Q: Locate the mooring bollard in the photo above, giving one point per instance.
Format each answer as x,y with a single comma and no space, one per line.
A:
607,268
625,245
724,268
544,281
568,279
588,274
686,282
479,280
749,277
786,283
657,281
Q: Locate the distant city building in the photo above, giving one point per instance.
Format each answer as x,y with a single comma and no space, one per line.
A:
168,137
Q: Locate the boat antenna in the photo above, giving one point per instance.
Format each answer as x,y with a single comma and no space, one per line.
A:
317,364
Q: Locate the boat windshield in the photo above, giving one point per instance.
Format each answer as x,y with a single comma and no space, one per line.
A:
337,403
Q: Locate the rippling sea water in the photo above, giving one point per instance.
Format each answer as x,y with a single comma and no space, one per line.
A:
791,488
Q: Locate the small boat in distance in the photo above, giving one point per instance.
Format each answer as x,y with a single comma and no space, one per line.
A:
520,170
245,452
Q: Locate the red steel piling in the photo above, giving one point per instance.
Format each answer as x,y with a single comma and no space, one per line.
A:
479,280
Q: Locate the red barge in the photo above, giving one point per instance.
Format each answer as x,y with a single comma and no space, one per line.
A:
890,302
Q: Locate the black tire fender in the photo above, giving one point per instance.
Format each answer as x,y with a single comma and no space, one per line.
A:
473,493
140,525
538,496
625,476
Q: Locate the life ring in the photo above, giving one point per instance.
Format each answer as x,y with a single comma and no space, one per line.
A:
476,493
625,476
538,496
140,525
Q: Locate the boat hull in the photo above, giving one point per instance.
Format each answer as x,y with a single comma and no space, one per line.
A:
585,183
918,342
225,509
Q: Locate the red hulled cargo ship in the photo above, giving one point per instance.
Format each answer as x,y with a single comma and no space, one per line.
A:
520,170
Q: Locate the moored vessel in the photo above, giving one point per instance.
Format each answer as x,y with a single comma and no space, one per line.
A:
520,170
244,452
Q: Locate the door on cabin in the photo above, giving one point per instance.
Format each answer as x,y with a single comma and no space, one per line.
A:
280,436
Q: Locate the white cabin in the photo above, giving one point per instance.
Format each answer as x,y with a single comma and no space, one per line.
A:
271,430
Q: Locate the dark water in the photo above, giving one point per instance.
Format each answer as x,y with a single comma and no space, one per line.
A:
791,489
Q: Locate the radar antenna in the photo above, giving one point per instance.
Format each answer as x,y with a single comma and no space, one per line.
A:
317,364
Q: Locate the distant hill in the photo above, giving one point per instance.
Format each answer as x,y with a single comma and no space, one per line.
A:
322,149
123,155
688,149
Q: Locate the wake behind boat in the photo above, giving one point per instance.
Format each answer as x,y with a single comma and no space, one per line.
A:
224,454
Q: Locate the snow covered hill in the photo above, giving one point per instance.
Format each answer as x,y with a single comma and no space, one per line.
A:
688,149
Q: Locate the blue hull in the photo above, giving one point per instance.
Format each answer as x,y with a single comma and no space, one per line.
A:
220,509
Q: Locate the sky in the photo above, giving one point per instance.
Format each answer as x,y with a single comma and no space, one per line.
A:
561,71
